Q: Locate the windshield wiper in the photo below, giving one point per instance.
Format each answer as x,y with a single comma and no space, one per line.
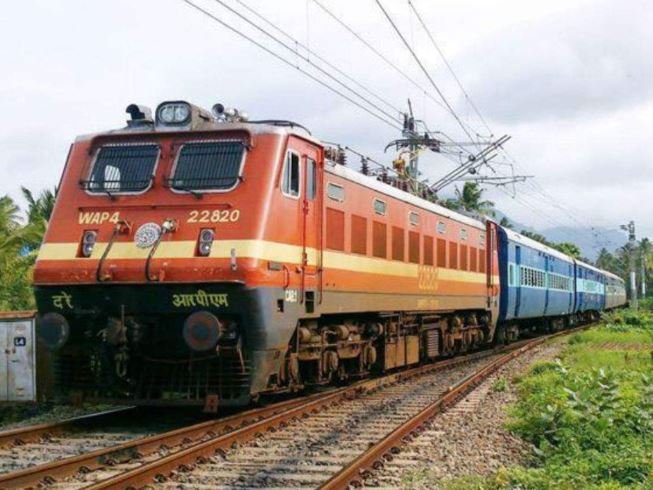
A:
194,192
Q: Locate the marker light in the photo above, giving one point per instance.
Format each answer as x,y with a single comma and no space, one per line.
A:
205,242
173,113
88,242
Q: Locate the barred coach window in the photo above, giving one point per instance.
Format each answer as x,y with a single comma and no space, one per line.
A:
212,166
122,169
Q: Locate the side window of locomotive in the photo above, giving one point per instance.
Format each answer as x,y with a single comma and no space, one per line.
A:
210,166
336,192
311,178
122,168
290,183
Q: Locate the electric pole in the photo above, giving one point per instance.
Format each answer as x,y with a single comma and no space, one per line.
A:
632,246
642,275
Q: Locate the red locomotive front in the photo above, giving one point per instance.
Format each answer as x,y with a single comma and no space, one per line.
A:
197,257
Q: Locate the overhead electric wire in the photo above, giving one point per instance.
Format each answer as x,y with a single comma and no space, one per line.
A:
449,67
307,60
424,70
384,58
317,56
289,63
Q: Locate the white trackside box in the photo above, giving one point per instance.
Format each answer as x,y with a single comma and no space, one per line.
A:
17,357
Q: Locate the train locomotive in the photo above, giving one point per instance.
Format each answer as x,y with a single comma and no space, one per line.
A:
195,257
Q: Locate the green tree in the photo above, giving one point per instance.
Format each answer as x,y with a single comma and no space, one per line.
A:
506,223
19,244
568,248
470,199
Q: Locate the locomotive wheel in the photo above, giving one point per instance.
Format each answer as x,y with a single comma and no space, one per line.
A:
500,335
369,356
330,362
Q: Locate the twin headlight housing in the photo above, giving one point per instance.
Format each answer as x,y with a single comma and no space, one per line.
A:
205,242
176,113
88,242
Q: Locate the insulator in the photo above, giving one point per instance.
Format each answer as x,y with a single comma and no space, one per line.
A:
365,168
341,156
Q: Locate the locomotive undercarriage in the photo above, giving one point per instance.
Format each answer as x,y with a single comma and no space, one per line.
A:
338,349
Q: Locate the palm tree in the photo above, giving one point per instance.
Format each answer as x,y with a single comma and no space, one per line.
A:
39,211
470,199
506,223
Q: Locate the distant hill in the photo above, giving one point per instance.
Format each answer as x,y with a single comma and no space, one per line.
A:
590,240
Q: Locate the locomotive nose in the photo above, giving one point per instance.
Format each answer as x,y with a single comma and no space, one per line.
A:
53,330
201,331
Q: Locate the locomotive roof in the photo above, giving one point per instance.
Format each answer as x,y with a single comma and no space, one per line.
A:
518,237
382,187
252,127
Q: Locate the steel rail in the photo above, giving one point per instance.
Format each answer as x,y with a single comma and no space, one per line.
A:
221,433
354,474
34,433
48,473
157,471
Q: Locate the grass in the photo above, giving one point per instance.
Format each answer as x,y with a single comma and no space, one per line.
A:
588,414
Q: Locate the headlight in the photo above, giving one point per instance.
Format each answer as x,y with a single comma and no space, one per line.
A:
173,113
205,242
201,331
53,330
88,242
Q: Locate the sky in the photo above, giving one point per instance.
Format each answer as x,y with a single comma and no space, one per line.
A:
570,81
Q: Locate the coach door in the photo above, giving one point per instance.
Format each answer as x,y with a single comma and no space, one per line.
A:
492,268
312,229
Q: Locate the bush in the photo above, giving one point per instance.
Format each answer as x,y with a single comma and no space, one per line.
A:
589,426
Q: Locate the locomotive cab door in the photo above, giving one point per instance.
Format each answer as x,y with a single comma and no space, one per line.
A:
311,223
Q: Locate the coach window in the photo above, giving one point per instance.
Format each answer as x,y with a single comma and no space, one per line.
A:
413,217
336,192
311,178
442,227
290,185
463,234
379,207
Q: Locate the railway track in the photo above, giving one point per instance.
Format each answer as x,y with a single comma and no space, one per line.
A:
24,448
299,442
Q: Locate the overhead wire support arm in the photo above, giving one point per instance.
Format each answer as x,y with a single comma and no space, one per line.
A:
473,162
496,181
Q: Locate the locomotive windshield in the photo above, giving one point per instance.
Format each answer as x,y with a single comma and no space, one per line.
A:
208,166
123,168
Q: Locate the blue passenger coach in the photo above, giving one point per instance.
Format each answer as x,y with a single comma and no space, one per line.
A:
536,282
590,290
615,291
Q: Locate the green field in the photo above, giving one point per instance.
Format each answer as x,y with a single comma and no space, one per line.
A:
588,414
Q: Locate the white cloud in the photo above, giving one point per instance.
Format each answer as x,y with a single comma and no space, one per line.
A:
570,80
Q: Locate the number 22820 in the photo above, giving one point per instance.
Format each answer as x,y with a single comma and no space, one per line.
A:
216,216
